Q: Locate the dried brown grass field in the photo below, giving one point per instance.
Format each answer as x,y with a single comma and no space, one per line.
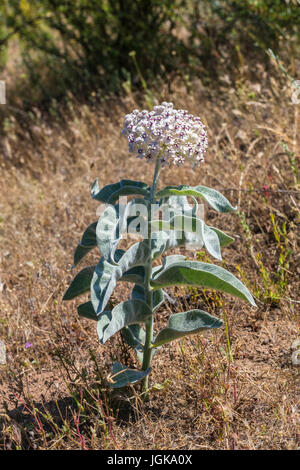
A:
210,391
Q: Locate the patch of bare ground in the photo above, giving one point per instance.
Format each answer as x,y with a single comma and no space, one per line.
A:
235,388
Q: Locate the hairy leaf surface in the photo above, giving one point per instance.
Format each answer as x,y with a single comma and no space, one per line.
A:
138,292
123,376
194,225
126,313
110,194
107,275
214,198
87,310
186,323
88,242
80,284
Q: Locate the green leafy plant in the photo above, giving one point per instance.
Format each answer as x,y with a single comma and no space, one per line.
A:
165,136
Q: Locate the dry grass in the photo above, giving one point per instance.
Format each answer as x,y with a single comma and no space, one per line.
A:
53,394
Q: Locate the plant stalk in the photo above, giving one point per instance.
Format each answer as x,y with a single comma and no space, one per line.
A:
148,290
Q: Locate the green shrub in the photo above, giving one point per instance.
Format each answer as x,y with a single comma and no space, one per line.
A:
88,42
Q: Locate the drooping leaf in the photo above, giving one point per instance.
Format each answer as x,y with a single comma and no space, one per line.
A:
117,220
177,205
211,241
118,255
224,239
110,194
80,284
157,299
80,253
167,260
107,233
87,310
201,274
194,225
138,292
107,275
211,196
103,320
123,376
124,314
103,283
135,275
166,240
134,335
88,242
186,323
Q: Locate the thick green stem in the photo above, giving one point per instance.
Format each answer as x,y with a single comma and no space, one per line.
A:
147,287
155,180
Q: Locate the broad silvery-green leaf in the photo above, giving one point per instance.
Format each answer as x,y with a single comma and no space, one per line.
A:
123,376
80,284
111,193
124,314
186,323
167,260
107,275
88,242
87,310
201,274
135,275
224,239
194,225
166,240
177,205
138,292
118,219
103,320
134,335
211,241
107,231
80,253
211,196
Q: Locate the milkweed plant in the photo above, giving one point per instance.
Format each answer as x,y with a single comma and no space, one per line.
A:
164,219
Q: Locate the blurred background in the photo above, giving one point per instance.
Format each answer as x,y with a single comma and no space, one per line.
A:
72,70
56,48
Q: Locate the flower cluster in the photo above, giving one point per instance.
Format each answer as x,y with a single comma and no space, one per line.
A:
166,133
